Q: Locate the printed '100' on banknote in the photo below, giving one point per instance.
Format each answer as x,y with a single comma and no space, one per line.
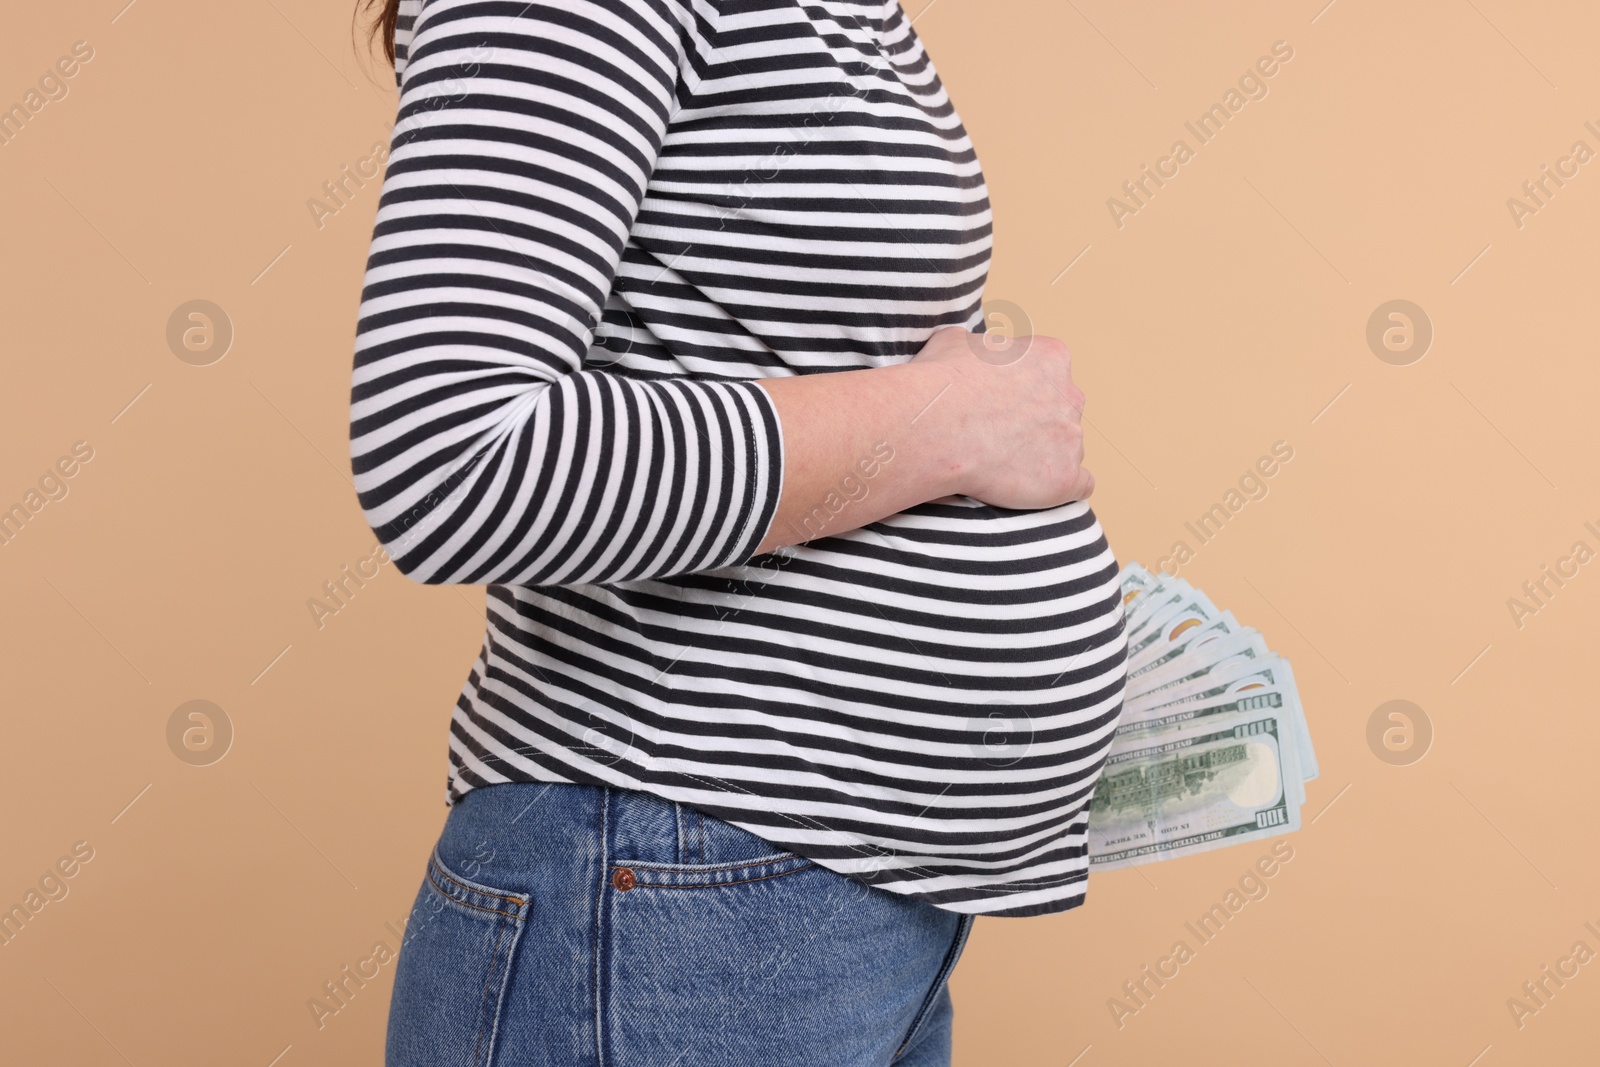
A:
1194,790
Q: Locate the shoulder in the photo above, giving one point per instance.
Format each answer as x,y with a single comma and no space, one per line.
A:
686,18
405,26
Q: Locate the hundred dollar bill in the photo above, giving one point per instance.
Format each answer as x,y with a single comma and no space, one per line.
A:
1182,637
1305,752
1195,790
1231,678
1275,699
1135,581
1166,593
1161,637
1282,701
1169,622
1222,678
1209,657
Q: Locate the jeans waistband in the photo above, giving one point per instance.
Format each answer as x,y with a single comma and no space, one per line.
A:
580,820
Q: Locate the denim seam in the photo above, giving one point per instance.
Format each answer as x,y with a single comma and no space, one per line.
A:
519,902
490,1019
514,934
720,885
760,861
957,944
599,928
486,911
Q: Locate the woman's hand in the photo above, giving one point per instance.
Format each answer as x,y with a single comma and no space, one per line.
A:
1018,418
969,415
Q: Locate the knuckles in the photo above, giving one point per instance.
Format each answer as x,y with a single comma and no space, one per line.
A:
1050,347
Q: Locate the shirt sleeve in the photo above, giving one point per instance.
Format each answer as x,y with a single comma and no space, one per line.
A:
484,450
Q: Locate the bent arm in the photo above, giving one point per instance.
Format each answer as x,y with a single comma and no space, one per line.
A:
484,450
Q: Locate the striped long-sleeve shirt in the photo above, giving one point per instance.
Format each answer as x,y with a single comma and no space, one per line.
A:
602,221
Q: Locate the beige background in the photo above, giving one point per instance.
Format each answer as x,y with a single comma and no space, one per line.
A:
1228,313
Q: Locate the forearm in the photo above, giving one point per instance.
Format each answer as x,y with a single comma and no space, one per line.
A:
861,445
498,477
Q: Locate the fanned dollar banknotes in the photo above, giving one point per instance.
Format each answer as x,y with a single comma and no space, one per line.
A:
1212,749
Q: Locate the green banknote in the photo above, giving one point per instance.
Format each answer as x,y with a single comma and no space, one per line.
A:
1226,678
1194,788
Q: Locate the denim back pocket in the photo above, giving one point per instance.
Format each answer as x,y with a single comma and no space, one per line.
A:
772,956
454,966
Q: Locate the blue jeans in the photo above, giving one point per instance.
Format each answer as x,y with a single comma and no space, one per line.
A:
580,926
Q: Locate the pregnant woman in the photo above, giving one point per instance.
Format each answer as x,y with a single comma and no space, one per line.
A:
803,647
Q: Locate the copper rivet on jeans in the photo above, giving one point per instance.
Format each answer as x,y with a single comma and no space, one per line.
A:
623,879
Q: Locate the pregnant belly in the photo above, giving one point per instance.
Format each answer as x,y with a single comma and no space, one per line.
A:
952,594
952,632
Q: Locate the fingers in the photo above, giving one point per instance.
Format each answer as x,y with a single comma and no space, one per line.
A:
1071,396
1075,401
1084,486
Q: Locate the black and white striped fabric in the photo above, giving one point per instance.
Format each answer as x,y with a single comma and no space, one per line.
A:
601,221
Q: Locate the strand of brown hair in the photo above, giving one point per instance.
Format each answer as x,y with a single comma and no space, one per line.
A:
383,21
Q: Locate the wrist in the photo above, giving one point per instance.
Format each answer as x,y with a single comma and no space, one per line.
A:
937,399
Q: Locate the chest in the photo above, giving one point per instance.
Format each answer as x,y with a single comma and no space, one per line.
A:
816,171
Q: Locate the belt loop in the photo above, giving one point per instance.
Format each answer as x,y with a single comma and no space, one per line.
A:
677,813
606,848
